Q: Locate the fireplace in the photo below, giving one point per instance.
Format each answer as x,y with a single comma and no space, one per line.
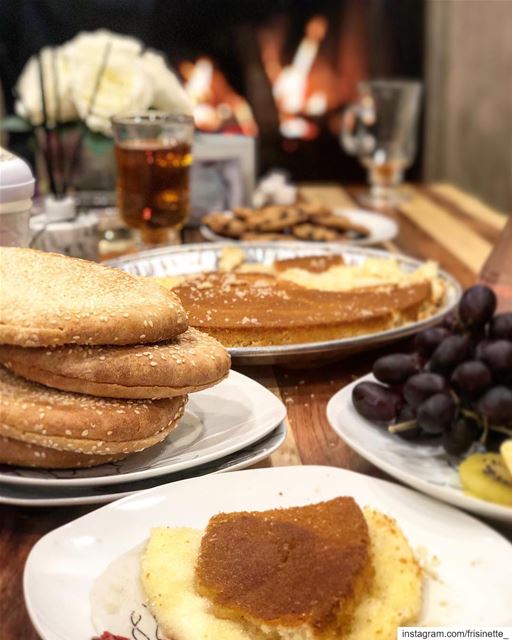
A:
283,71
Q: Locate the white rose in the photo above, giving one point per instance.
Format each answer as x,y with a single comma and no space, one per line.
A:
123,87
169,95
108,78
91,44
101,74
56,74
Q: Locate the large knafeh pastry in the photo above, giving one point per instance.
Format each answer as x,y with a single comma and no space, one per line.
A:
249,309
329,571
328,542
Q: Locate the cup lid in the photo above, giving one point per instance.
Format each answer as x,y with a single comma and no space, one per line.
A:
16,179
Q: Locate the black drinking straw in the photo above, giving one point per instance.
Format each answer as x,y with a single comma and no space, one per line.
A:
47,149
58,114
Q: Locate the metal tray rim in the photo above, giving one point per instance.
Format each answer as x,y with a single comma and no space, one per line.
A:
454,291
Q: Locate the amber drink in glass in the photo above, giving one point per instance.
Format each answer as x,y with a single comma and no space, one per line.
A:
154,155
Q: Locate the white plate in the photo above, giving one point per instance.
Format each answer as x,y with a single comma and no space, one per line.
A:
424,467
381,228
58,497
217,421
195,258
471,560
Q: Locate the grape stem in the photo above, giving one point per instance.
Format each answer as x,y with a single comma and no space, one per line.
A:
471,414
402,426
500,429
485,432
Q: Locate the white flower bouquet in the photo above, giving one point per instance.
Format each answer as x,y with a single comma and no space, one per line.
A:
88,80
93,77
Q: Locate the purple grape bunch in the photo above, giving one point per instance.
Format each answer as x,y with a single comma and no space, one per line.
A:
456,387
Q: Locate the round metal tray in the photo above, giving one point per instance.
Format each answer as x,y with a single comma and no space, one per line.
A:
194,258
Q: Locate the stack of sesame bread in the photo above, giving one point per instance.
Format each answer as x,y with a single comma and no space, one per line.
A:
95,364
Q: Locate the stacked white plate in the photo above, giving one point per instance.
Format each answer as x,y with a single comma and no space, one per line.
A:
230,426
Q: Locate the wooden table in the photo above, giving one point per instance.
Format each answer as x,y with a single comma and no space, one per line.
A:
438,223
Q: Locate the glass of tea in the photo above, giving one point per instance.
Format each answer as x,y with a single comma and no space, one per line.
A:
381,130
154,155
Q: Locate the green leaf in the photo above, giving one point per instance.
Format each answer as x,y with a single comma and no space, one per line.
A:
15,124
97,143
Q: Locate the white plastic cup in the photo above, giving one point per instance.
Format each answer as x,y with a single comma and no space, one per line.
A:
16,191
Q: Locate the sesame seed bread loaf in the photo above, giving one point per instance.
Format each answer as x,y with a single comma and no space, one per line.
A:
82,424
24,454
89,446
190,362
50,299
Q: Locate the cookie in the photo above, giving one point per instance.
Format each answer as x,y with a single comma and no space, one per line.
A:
314,233
275,218
314,210
224,224
339,223
191,362
244,213
50,299
254,236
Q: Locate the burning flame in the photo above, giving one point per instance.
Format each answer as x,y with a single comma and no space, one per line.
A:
217,105
291,83
321,76
290,87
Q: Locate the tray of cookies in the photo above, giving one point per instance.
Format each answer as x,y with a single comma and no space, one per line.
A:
296,302
306,222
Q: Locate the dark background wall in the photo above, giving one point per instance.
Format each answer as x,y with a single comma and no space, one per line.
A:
389,35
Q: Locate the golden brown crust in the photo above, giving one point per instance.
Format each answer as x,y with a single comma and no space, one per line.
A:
288,567
248,309
308,231
90,446
50,299
190,362
339,223
23,454
274,218
254,236
80,423
224,224
313,264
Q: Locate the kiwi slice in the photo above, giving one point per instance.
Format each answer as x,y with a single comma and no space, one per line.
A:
485,476
506,453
